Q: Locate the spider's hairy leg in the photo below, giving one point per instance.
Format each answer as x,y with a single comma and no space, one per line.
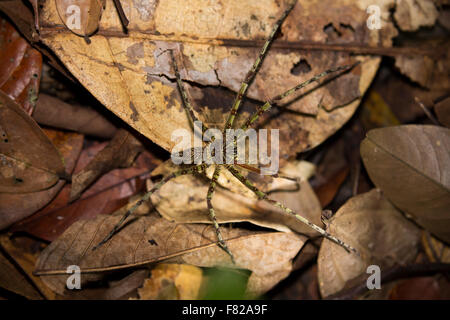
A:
258,171
212,214
145,197
268,104
263,196
184,96
253,117
252,72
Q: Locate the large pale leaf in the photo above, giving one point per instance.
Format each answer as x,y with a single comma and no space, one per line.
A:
215,44
411,164
151,239
379,232
28,160
183,199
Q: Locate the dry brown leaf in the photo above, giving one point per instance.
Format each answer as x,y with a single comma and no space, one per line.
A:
410,15
119,153
29,161
429,72
442,110
111,192
12,280
379,232
151,239
215,46
183,199
411,164
23,17
436,250
172,282
20,67
82,17
51,111
25,253
421,288
17,206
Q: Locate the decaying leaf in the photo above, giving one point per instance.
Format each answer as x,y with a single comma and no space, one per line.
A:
442,110
427,71
172,282
24,252
20,67
215,46
376,112
410,15
28,160
23,17
376,229
411,164
150,239
17,206
435,250
12,280
120,152
421,288
82,17
111,192
183,199
51,111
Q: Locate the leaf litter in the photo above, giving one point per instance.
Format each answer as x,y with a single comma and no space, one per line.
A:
139,74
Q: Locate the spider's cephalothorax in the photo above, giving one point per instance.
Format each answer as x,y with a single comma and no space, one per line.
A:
200,167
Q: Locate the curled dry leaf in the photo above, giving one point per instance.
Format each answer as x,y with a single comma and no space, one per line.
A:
411,164
183,199
51,111
215,46
20,67
82,17
119,153
172,282
151,239
379,232
16,206
28,160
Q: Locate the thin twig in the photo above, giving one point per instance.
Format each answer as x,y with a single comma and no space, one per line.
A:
427,112
356,178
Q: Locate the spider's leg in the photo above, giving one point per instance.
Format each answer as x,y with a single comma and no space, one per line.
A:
186,102
263,196
212,214
144,198
266,106
252,118
252,72
275,175
258,171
